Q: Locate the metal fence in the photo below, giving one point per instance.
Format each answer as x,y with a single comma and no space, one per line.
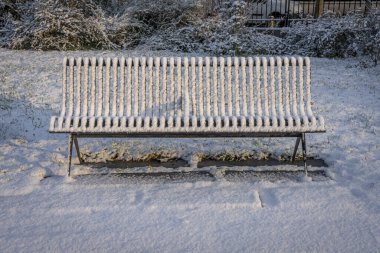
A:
302,8
282,12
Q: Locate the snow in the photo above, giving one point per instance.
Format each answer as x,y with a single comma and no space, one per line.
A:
43,211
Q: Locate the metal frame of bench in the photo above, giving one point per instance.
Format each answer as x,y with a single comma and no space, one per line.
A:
73,139
74,93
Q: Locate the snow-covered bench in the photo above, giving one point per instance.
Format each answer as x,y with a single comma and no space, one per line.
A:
186,97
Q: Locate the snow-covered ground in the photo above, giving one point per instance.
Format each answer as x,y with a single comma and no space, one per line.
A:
43,211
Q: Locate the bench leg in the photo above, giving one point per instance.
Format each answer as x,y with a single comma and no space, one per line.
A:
77,148
304,152
295,149
70,154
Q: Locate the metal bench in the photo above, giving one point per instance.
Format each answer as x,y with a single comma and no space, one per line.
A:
186,98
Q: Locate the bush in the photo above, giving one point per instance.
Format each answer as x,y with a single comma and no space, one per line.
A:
60,25
9,12
125,32
372,42
223,33
335,37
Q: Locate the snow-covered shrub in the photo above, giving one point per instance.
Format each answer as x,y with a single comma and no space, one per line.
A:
227,34
8,9
372,42
162,14
372,47
187,33
223,33
177,40
60,25
178,32
234,15
9,12
124,31
331,36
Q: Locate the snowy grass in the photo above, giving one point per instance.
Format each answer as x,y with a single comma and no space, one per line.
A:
42,211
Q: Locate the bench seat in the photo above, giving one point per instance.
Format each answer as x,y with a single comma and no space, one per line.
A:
247,124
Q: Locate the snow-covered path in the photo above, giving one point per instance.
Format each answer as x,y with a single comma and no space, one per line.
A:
42,211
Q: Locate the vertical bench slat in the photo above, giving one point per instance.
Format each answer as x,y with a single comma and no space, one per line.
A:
301,87
280,92
64,87
258,90
236,91
71,87
143,87
93,86
77,99
161,76
168,105
229,85
265,87
215,86
115,91
294,88
193,88
150,86
85,91
308,88
186,91
172,88
287,89
251,87
106,100
136,87
128,101
200,92
100,88
180,106
273,91
208,88
122,86
244,86
164,96
222,100
157,88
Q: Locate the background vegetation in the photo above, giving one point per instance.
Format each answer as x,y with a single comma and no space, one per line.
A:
186,26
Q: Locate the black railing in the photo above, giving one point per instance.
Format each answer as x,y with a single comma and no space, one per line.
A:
282,12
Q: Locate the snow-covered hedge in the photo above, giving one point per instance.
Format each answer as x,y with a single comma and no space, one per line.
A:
186,26
223,33
59,25
330,36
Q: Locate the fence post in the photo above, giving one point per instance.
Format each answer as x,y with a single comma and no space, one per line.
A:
271,21
367,7
287,12
318,8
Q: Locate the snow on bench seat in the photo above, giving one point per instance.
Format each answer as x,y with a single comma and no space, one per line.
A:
180,95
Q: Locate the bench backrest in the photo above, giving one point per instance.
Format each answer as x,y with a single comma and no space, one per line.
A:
184,86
